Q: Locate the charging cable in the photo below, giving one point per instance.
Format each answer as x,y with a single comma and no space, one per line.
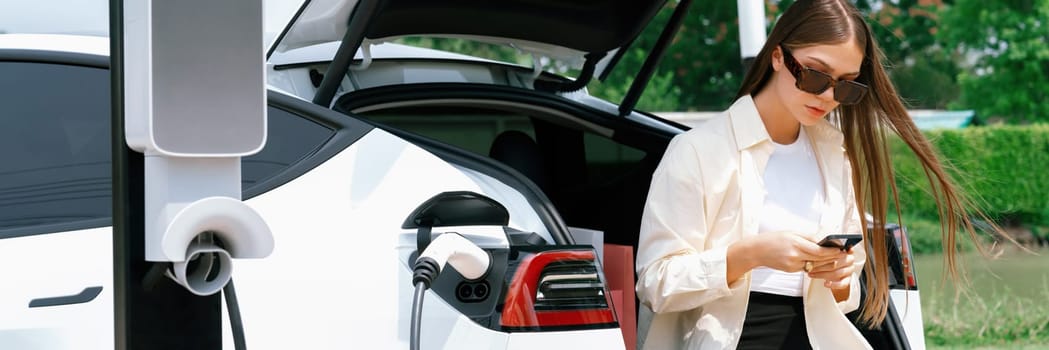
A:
235,322
451,248
156,274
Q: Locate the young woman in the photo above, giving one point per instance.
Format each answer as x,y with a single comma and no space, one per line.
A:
727,256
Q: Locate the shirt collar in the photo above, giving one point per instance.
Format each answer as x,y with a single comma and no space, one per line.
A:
749,130
747,126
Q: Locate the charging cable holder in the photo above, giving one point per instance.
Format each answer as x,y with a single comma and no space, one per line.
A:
196,220
194,114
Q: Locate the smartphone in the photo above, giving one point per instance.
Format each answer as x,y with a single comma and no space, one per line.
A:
841,241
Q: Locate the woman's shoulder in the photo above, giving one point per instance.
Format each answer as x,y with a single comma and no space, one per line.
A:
713,132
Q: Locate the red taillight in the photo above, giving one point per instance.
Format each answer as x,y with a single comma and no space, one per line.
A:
907,258
557,290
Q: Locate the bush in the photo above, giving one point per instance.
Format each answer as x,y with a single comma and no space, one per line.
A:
925,235
1001,167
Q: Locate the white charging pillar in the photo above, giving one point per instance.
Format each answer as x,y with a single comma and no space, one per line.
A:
195,103
751,29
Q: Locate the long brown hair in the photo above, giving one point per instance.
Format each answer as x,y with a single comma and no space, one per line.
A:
864,125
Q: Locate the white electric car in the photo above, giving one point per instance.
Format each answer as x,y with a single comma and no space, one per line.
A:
363,133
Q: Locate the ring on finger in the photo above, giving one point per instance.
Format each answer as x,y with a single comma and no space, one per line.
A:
808,266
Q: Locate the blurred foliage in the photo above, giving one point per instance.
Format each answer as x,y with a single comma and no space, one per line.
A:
924,74
704,60
1002,167
478,49
1005,42
702,64
966,54
661,94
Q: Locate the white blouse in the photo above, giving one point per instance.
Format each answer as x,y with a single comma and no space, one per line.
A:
793,201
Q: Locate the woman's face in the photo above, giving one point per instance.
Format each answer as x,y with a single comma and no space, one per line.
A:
840,61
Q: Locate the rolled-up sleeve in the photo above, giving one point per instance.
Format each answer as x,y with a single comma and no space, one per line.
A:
675,273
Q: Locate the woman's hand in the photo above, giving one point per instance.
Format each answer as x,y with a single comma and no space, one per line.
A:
789,252
837,273
785,251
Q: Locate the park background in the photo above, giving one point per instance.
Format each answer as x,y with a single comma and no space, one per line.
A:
986,58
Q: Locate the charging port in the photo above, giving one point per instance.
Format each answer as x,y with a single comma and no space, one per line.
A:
472,292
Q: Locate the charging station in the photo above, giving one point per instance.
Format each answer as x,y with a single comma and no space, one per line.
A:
189,100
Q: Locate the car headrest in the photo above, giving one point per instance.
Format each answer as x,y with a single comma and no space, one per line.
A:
517,150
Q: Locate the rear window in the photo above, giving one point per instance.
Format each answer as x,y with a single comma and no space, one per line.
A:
54,144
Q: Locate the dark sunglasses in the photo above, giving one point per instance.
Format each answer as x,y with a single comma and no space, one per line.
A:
846,92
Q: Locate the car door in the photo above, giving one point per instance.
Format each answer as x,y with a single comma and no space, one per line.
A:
55,242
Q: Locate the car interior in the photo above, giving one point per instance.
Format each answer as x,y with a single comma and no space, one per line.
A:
596,174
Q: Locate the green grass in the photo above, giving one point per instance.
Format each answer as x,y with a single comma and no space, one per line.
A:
990,347
1005,306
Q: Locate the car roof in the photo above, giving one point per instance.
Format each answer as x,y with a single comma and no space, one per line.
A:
67,43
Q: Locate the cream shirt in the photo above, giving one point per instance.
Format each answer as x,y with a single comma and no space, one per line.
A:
707,194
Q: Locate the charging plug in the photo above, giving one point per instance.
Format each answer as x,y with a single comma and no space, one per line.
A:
451,248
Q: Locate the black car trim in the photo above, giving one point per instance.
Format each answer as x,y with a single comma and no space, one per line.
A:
594,27
86,295
33,230
627,131
672,123
889,335
55,57
359,23
347,131
652,60
895,325
897,275
284,31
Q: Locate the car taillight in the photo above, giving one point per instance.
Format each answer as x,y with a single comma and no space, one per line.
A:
557,290
907,259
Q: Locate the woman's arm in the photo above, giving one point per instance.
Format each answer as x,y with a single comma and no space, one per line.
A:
675,273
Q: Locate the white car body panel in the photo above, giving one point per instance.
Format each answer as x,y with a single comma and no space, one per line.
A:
55,265
909,308
610,339
90,45
340,272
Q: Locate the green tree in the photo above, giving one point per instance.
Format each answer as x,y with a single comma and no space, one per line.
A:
1005,42
661,93
925,75
701,69
704,62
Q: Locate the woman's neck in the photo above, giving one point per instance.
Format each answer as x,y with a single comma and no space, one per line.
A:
781,126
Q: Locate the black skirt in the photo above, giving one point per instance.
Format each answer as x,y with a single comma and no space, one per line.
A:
774,322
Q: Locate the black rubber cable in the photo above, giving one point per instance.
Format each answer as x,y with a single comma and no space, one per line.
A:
235,322
417,312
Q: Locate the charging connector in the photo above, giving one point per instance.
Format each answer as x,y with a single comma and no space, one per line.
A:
451,248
